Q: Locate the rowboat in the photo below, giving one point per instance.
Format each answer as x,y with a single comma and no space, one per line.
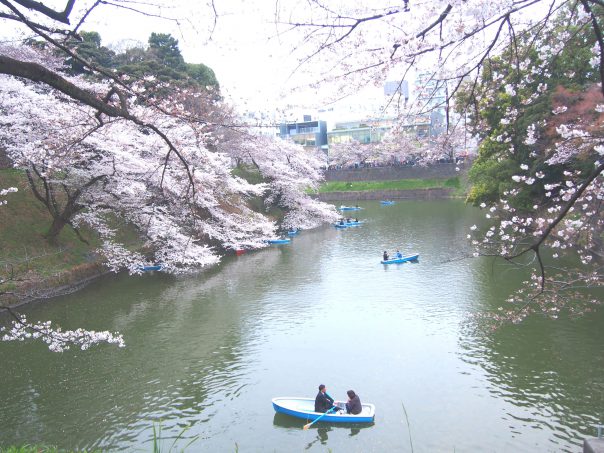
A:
278,241
305,408
402,260
157,267
293,232
350,208
387,202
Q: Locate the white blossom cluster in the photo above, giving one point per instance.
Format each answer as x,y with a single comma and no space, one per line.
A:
4,192
55,338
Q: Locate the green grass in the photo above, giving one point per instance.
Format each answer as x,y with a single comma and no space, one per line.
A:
249,173
24,251
23,222
401,184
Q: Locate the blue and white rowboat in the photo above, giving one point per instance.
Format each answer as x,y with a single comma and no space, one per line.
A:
304,408
349,208
157,267
404,259
278,241
293,232
387,202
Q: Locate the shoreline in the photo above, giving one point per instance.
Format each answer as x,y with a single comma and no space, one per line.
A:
394,194
70,281
67,282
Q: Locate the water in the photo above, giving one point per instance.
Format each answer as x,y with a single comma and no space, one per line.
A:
208,352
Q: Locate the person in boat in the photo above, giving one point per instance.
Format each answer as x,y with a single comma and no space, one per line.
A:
356,220
399,254
324,402
341,221
353,406
348,220
386,257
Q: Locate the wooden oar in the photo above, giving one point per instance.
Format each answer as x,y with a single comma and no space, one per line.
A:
308,425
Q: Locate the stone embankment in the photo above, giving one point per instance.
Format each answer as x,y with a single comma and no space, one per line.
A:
437,171
414,194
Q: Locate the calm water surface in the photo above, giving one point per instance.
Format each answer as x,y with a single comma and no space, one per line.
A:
209,351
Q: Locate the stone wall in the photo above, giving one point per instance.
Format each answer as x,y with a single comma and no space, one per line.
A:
440,171
416,194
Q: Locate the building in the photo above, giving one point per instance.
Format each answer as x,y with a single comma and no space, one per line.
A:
369,131
308,133
431,102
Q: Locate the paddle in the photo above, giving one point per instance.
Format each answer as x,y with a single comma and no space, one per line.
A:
308,425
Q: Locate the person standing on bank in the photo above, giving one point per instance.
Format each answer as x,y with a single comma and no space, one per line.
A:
353,406
323,402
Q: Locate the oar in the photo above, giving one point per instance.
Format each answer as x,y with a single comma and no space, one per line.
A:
308,425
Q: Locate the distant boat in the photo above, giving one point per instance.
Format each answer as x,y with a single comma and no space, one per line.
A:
304,408
350,208
157,267
387,202
293,232
278,241
402,260
354,223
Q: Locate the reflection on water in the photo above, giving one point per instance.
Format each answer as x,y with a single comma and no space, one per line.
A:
209,351
322,430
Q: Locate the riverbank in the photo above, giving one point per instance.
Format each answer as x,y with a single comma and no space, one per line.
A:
410,189
410,194
31,267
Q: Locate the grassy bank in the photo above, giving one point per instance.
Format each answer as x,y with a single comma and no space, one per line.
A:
29,264
401,184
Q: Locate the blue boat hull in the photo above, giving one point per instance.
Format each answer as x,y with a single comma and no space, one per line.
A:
293,233
387,203
349,208
279,241
151,268
404,259
303,408
348,224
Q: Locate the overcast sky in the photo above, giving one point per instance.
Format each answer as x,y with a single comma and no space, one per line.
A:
250,60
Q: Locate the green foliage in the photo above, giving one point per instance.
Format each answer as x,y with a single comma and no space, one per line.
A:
162,60
202,74
507,88
248,173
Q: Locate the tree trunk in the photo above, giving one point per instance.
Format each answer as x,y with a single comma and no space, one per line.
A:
55,229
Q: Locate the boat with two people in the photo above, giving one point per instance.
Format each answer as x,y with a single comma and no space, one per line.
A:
399,258
304,408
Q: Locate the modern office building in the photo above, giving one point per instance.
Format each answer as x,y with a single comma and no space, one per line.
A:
431,102
308,133
369,131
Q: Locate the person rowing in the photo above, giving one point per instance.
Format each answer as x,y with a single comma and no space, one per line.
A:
324,402
386,257
399,255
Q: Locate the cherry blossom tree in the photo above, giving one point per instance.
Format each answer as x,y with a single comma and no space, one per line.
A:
106,149
290,173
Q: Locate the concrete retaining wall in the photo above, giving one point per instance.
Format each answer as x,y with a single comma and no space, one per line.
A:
593,445
440,171
418,194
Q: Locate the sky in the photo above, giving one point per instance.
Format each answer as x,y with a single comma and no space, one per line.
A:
253,64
